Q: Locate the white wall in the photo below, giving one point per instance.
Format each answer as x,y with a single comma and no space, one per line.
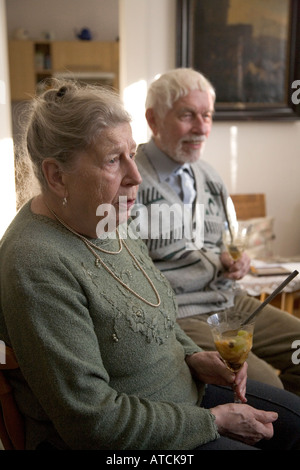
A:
63,18
267,154
251,157
147,48
7,185
267,159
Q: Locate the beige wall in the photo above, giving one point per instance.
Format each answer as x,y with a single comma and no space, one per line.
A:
7,186
251,157
266,159
63,18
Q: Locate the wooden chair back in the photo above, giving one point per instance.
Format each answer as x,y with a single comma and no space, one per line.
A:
11,421
249,206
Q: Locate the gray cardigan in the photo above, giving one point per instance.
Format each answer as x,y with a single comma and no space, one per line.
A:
195,275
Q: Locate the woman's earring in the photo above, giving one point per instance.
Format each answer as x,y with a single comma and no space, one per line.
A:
65,202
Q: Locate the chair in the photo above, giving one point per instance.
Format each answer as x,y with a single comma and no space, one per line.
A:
11,422
248,206
253,206
251,212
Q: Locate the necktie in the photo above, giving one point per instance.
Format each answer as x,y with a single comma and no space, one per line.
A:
188,196
187,185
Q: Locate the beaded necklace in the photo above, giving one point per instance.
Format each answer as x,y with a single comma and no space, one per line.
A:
98,261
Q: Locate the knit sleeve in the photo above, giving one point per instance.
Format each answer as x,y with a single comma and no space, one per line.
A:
188,344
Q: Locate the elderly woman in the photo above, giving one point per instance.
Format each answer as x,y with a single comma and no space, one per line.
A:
103,363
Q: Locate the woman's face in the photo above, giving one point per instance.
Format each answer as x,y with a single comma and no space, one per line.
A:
100,177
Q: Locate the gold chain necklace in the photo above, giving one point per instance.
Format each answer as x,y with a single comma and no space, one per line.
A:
85,240
91,247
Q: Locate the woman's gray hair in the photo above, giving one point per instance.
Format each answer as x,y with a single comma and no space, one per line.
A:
173,85
67,119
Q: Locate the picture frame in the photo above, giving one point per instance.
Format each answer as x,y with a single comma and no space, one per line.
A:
249,50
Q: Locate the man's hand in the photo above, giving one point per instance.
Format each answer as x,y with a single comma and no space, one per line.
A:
235,269
209,367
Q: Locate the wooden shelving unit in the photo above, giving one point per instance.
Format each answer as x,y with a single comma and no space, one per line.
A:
30,62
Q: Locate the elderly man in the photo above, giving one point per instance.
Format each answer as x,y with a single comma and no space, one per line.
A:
179,112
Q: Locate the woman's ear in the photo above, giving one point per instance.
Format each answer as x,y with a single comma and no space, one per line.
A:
54,177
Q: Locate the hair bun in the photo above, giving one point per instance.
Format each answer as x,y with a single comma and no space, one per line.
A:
61,92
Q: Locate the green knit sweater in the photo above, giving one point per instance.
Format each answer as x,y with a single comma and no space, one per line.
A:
100,369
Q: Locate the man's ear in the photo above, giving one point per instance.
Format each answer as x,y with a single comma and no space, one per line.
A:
152,120
54,177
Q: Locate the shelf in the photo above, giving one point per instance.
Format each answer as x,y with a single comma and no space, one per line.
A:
33,61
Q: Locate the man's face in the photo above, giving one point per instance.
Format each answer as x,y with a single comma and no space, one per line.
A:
182,133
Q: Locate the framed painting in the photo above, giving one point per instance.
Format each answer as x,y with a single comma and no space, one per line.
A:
249,50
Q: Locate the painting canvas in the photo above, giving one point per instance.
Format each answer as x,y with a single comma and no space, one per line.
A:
244,48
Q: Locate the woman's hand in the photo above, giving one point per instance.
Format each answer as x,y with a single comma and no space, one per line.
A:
235,269
209,367
244,423
234,420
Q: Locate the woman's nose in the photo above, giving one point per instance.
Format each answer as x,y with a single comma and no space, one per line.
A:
132,175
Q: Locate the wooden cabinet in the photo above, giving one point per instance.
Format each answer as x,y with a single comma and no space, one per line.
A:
21,67
32,61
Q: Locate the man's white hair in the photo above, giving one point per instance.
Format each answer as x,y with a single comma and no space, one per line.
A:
174,84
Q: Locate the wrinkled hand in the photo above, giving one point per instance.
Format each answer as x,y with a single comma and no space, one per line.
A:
209,367
234,420
244,423
235,269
